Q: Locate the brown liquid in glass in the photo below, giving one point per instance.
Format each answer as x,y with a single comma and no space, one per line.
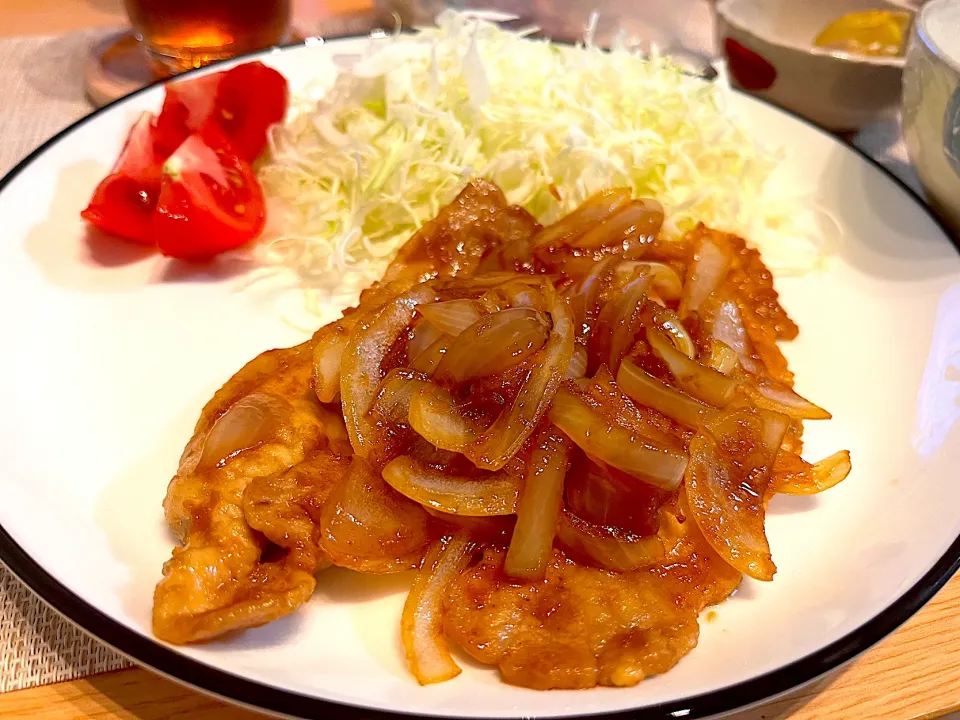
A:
180,34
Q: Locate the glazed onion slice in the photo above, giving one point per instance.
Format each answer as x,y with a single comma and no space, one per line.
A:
513,427
727,327
721,357
703,383
669,323
433,414
396,392
618,324
595,209
608,547
611,402
476,285
493,494
802,478
532,543
481,529
327,356
421,624
428,360
521,294
494,343
360,373
771,395
578,363
707,270
647,390
614,445
585,298
666,281
367,526
250,421
451,317
637,218
423,335
726,491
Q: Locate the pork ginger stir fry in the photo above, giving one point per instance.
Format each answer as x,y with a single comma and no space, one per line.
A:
571,432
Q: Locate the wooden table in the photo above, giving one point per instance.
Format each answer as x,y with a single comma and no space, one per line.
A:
912,675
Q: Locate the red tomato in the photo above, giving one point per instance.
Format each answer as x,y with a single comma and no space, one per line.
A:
123,202
210,200
250,99
244,101
187,105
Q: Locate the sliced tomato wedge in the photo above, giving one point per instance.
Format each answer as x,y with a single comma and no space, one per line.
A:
250,99
244,101
124,201
187,106
210,200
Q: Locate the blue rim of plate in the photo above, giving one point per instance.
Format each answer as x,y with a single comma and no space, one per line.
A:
149,653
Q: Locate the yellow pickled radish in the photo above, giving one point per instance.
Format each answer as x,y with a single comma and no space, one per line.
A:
871,32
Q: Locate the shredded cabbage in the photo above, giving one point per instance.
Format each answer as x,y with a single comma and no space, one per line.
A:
400,132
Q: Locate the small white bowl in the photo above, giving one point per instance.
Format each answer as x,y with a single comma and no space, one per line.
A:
769,49
931,105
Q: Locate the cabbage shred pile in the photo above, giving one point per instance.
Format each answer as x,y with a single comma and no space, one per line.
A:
352,176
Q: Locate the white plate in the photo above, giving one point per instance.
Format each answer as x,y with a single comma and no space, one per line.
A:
108,355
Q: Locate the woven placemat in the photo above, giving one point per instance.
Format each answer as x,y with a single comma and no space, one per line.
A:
42,90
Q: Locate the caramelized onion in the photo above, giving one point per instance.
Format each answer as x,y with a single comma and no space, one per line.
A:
428,360
451,317
248,422
728,328
367,526
775,426
637,218
578,363
725,491
611,402
492,494
521,294
618,325
811,479
433,414
603,495
721,357
532,543
395,393
608,547
423,335
651,392
703,383
595,209
510,430
479,284
707,270
493,344
771,395
585,302
368,345
614,445
669,322
666,281
480,528
327,355
421,624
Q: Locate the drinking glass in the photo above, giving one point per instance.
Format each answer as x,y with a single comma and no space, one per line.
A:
183,34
